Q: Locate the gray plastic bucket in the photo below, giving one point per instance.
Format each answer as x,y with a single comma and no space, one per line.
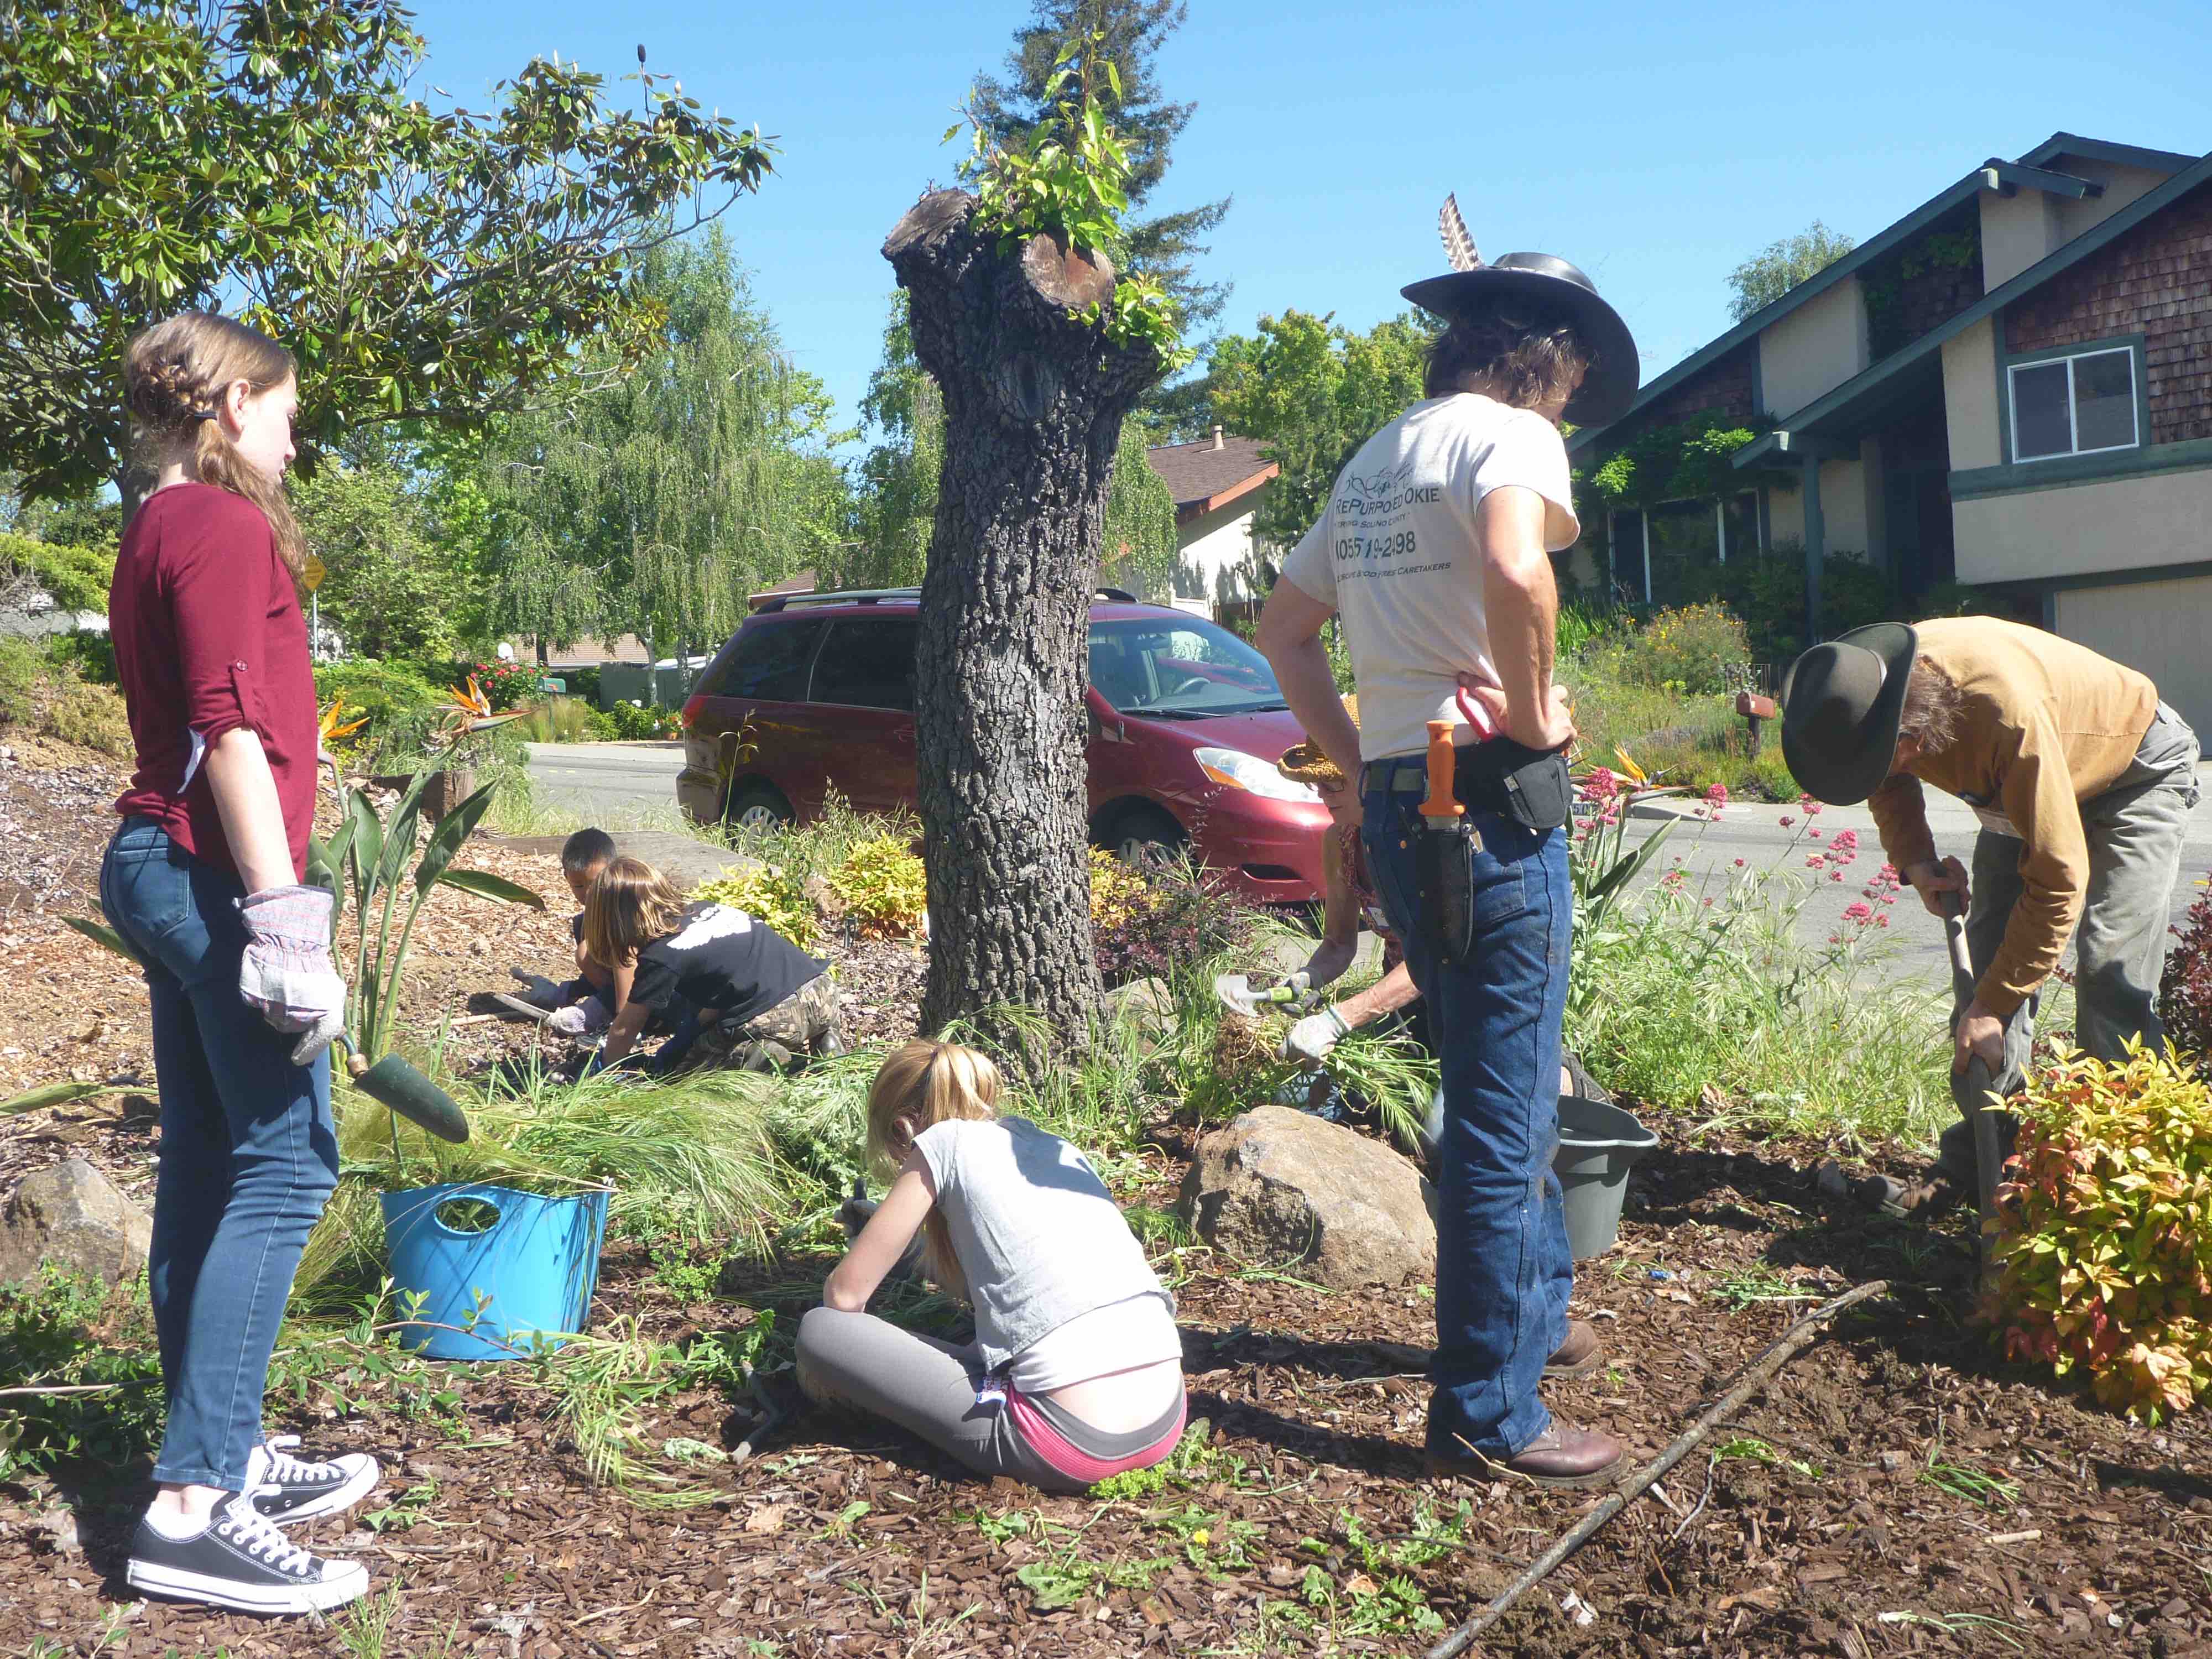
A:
1598,1145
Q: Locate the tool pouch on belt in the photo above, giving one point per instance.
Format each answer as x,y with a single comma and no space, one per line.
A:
1443,869
1538,794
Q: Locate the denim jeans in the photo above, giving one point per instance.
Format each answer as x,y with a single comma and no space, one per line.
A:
248,1153
1504,1267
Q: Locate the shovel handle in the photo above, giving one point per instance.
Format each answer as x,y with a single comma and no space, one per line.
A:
1963,978
1440,802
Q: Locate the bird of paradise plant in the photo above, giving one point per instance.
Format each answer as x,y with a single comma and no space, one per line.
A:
334,726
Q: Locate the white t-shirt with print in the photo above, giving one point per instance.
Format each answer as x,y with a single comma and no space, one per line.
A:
1395,551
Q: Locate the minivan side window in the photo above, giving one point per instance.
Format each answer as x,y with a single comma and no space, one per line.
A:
769,664
867,663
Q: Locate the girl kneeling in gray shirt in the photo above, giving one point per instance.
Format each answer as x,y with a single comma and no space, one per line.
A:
1076,1371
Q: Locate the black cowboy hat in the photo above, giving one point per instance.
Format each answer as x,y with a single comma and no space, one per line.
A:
1841,701
1610,386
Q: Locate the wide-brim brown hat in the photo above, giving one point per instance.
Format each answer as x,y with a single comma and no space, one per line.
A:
1841,702
1610,387
1304,762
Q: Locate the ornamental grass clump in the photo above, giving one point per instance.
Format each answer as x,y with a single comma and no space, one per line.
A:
2106,1231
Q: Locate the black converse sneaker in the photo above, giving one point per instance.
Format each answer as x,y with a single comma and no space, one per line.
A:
285,1489
241,1561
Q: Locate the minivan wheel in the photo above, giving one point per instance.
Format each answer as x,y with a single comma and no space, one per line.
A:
1145,838
757,806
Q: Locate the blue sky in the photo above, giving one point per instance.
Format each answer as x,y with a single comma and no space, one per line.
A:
1655,145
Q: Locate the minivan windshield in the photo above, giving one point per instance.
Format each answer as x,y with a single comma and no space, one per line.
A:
1179,668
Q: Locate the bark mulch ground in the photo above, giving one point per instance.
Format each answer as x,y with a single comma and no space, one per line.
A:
1895,1490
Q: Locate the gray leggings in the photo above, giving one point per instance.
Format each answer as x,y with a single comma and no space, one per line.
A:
928,1387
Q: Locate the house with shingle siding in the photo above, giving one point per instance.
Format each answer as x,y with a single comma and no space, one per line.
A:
2011,387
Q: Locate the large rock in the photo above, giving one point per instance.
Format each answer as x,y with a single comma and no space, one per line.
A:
1147,1007
1277,1183
74,1216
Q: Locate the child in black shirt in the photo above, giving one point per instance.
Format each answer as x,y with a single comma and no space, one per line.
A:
746,996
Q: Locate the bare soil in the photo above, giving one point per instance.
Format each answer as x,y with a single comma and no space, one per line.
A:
1895,1490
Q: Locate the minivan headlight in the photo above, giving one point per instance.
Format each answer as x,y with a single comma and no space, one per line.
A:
1239,770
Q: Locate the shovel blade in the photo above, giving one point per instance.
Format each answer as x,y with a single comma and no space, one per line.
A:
393,1082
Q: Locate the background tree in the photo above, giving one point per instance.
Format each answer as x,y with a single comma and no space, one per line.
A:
657,502
1041,351
1315,392
1780,266
272,159
1164,246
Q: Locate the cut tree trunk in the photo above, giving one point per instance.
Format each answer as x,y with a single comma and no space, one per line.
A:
1034,400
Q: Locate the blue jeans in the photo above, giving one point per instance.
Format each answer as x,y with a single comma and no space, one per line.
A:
1504,1267
248,1153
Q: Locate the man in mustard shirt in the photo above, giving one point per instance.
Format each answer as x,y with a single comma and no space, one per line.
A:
2083,781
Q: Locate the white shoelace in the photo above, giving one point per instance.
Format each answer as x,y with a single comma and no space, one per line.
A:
287,1470
244,1525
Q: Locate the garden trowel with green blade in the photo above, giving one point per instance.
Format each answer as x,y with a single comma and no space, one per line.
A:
395,1083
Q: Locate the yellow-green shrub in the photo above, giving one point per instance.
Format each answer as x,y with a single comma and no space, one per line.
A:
883,886
92,715
2107,1231
1685,649
775,896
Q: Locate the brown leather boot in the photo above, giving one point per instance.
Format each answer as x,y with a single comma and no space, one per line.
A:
1563,1455
1579,1355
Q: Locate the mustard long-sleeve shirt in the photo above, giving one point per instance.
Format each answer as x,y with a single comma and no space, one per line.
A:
2047,725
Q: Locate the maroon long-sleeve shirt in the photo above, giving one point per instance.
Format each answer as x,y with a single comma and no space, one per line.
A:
209,638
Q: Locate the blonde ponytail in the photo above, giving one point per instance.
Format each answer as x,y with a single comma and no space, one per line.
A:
927,1082
174,376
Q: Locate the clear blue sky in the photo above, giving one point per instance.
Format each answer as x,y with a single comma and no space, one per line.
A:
1654,145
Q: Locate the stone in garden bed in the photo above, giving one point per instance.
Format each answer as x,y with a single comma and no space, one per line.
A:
74,1216
1277,1184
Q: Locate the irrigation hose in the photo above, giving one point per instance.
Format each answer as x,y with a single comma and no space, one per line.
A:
1762,1369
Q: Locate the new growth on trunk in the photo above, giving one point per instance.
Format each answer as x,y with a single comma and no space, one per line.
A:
1034,397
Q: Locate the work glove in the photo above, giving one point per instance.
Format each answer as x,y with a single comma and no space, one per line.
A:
288,975
1312,1038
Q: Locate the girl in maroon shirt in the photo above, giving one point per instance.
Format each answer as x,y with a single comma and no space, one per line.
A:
204,881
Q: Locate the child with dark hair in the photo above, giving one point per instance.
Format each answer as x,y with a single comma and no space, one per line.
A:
582,1006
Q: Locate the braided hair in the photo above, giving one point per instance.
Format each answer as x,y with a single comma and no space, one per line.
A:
175,375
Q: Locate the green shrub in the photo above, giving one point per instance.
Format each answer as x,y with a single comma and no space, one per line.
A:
22,667
77,577
62,1331
389,693
565,720
1688,649
91,716
770,893
2106,1231
91,654
634,723
883,887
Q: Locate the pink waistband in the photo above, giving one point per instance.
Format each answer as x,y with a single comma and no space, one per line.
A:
1071,1460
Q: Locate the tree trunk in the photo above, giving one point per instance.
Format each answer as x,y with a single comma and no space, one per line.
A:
1033,406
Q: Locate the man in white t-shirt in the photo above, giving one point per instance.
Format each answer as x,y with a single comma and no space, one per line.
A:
1433,549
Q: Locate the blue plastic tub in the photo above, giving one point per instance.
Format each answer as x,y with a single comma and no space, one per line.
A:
528,1274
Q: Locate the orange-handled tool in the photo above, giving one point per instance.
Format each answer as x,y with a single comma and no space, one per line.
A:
1440,802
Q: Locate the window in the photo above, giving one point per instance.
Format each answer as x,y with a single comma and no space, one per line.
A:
1183,669
2073,405
867,664
1666,556
770,662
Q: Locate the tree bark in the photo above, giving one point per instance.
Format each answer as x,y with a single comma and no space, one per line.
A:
1033,401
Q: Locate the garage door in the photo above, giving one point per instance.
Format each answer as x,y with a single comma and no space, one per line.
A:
2163,628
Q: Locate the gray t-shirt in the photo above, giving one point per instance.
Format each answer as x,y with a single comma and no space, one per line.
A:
1394,552
1038,1235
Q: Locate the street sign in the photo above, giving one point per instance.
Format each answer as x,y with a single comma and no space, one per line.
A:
313,572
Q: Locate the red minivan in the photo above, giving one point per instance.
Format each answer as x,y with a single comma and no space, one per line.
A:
1186,724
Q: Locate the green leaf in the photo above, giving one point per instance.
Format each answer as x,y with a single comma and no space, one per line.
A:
50,1094
100,933
484,884
447,839
1114,80
399,830
365,848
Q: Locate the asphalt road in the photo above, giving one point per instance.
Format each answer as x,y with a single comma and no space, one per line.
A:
623,782
627,784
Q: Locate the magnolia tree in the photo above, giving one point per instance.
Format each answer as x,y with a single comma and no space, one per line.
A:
1039,347
274,160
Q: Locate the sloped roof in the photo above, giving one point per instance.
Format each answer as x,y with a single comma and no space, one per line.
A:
1201,477
2032,170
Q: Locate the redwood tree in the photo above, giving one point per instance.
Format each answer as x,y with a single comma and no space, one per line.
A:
1021,335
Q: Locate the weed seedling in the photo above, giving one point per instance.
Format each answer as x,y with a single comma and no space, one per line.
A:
1749,1286
365,1626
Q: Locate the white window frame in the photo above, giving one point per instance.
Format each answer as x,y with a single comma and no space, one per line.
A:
2134,403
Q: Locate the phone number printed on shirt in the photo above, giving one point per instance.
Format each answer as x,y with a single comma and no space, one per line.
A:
1351,548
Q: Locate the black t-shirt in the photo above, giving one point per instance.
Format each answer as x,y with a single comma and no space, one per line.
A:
722,962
